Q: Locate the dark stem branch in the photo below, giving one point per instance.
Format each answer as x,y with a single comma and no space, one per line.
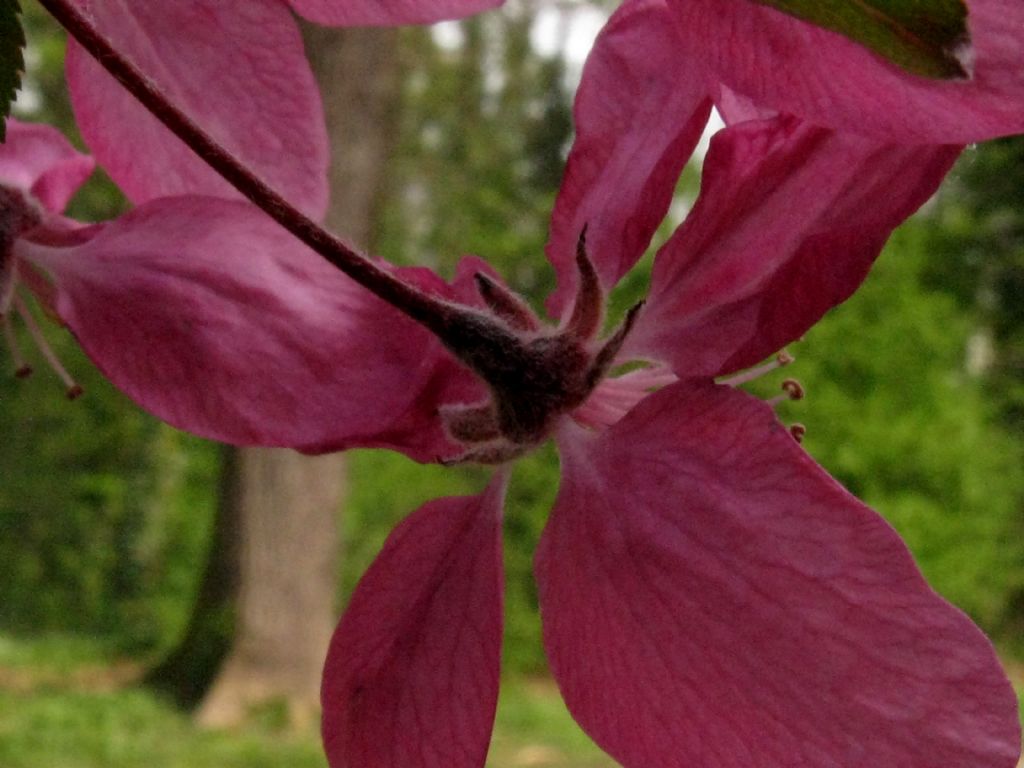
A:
434,313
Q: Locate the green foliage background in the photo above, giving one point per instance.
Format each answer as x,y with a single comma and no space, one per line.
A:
894,415
105,514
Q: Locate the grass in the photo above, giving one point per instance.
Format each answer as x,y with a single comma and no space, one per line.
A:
533,728
1016,672
65,704
131,728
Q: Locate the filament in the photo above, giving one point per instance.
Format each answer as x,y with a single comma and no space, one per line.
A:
72,388
21,368
780,360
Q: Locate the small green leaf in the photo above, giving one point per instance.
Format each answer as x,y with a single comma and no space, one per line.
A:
12,63
924,37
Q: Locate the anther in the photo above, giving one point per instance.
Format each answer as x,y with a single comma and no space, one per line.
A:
72,389
780,361
798,431
793,388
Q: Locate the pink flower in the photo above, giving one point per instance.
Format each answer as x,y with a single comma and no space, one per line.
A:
377,13
709,595
39,172
212,316
238,68
179,288
788,65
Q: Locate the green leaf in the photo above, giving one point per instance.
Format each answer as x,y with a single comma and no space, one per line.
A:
12,63
923,37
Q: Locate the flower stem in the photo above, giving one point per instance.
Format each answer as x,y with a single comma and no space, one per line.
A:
430,311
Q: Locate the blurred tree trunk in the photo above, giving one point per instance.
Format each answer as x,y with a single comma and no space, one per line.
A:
286,552
266,607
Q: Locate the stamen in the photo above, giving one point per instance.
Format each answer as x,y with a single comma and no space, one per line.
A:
654,377
792,389
782,359
798,431
73,390
599,412
22,370
614,398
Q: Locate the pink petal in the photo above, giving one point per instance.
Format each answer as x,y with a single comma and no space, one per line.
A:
710,597
237,68
794,67
735,108
639,112
218,321
40,160
411,678
386,13
788,222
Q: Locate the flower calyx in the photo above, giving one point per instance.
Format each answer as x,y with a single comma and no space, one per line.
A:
18,214
534,374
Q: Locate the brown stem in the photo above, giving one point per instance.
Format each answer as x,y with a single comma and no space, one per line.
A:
434,313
